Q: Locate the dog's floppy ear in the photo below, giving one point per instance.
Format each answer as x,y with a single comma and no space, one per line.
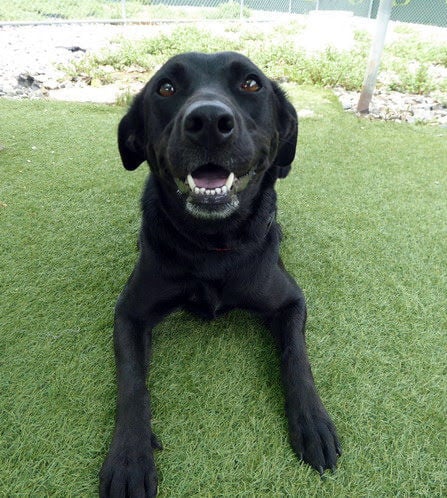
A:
288,133
131,138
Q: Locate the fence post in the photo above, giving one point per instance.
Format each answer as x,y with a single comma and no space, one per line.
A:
370,8
375,55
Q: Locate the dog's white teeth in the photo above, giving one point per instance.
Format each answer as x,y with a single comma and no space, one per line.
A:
211,191
191,182
230,180
224,189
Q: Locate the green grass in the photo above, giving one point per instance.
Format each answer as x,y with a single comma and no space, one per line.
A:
364,216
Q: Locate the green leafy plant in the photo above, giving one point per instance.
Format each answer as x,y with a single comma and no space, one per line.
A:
417,81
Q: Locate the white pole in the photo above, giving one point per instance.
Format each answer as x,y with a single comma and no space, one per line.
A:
375,55
370,8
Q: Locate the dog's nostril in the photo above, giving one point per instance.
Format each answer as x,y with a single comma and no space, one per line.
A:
226,124
193,124
209,123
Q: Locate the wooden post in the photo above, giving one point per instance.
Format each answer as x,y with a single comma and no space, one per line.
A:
369,83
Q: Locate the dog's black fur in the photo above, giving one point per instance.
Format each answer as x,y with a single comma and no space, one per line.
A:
207,116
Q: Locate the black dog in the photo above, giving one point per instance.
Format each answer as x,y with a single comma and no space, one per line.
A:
217,133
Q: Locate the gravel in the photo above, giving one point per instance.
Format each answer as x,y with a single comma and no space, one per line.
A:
32,57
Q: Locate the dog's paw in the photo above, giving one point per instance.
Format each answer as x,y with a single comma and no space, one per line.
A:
314,440
129,469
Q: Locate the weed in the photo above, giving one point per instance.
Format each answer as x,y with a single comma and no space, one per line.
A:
413,79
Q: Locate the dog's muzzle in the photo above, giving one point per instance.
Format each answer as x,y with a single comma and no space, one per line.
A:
212,191
210,126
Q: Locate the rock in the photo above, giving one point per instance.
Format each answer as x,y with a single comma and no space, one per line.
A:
27,80
396,106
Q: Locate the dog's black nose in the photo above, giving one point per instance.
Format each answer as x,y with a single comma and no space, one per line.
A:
208,122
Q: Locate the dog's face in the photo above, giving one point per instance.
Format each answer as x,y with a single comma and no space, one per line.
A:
211,127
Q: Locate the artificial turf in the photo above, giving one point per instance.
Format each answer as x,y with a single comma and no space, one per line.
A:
365,233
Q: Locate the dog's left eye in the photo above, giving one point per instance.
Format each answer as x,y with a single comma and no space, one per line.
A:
166,89
251,84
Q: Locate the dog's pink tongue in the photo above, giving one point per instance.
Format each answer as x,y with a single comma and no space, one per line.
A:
209,179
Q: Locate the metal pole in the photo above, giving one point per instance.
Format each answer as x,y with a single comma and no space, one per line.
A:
369,83
370,8
317,7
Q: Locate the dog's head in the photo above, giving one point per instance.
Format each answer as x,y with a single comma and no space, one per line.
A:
211,128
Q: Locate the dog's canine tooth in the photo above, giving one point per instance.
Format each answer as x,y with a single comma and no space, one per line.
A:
230,180
191,182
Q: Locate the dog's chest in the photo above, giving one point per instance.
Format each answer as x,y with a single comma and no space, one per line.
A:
205,300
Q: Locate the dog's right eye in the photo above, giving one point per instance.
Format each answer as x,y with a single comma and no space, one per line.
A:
166,89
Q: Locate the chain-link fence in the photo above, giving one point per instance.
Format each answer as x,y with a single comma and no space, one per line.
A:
431,12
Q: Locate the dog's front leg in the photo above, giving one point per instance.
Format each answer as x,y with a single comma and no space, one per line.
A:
312,433
129,469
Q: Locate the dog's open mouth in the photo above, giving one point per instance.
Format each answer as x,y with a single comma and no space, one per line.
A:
212,189
213,184
210,183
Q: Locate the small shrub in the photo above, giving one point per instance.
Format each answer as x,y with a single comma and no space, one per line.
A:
414,80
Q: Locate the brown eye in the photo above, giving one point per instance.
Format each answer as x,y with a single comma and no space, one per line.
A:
251,84
166,89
